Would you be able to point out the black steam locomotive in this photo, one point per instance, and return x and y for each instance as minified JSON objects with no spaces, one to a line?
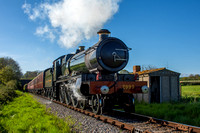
{"x":90,"y":79}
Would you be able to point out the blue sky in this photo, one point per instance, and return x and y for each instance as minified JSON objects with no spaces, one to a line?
{"x":162,"y":33}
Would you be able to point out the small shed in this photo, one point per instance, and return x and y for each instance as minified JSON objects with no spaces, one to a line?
{"x":163,"y":85}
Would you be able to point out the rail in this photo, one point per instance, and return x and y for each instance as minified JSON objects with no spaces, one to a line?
{"x":129,"y":127}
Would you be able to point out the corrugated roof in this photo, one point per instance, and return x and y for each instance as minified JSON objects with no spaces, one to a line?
{"x":150,"y":71}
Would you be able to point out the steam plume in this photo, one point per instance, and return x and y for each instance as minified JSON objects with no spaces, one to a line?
{"x":71,"y":20}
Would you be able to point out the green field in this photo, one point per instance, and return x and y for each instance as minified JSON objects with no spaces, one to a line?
{"x":24,"y":114}
{"x":190,"y":91}
{"x":187,"y":110}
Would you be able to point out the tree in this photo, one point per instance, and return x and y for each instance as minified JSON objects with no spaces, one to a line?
{"x":6,"y":74}
{"x":148,"y":67}
{"x":124,"y":72}
{"x":191,"y":75}
{"x":31,"y":74}
{"x":197,"y":76}
{"x":9,"y":70}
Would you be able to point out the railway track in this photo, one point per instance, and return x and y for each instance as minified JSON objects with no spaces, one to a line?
{"x":135,"y":123}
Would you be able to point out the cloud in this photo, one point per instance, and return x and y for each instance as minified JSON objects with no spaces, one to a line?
{"x":39,"y":11}
{"x":27,"y":8}
{"x":45,"y":32}
{"x":72,"y":20}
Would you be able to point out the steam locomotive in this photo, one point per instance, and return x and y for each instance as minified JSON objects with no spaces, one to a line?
{"x":90,"y":79}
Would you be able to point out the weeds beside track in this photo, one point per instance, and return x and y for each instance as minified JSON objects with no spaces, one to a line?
{"x":24,"y":114}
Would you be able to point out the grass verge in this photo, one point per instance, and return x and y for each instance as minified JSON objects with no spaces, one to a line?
{"x":187,"y":113}
{"x":24,"y":114}
{"x":187,"y":110}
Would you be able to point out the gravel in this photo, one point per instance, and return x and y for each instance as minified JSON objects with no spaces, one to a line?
{"x":142,"y":126}
{"x":78,"y":122}
{"x":82,"y":123}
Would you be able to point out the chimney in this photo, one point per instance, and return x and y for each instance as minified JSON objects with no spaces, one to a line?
{"x":81,"y":48}
{"x":103,"y":34}
{"x":136,"y":69}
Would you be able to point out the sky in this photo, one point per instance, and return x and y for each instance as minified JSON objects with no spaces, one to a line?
{"x":161,"y":33}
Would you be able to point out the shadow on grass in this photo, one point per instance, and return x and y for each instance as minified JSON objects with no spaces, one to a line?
{"x":2,"y":129}
{"x":190,"y":99}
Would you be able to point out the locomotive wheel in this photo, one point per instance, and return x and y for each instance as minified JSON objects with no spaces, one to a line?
{"x":61,"y":93}
{"x":48,"y":93}
{"x":68,"y":100}
{"x":45,"y":93}
{"x":129,"y":105}
{"x":74,"y":101}
{"x":82,"y":104}
{"x":96,"y":104}
{"x":51,"y":93}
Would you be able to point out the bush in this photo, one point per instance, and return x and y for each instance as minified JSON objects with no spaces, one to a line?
{"x":6,"y":94}
{"x":189,"y":83}
{"x":12,"y":84}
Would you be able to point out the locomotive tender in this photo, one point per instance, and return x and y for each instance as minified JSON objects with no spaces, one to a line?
{"x":90,"y":79}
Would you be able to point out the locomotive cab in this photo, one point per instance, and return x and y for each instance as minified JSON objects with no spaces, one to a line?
{"x":57,"y":67}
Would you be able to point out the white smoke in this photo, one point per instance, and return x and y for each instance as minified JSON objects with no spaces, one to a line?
{"x":76,"y":92}
{"x":46,"y":32}
{"x":72,"y":20}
